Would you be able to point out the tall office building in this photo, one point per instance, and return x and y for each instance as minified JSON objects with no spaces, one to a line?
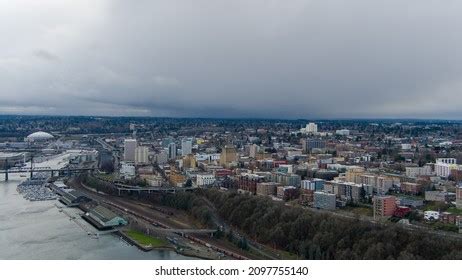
{"x":254,"y":148}
{"x":161,"y":157}
{"x":129,"y":149}
{"x":228,"y":155}
{"x":167,"y":141}
{"x":171,"y":151}
{"x":186,"y":147}
{"x":141,"y":155}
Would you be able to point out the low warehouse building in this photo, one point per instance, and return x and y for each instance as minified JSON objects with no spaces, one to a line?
{"x":103,"y":218}
{"x":73,"y":198}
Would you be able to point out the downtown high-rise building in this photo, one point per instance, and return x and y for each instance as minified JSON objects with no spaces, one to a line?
{"x":228,"y":155}
{"x":141,"y":155}
{"x":172,"y":151}
{"x":186,"y":147}
{"x":253,"y":150}
{"x":130,"y":149}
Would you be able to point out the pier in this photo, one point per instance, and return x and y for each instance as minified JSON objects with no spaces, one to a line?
{"x":83,"y":225}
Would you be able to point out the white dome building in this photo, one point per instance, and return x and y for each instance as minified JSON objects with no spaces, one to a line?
{"x":39,"y":136}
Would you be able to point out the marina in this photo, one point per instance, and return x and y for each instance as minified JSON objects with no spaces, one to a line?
{"x":40,"y":230}
{"x":34,"y":189}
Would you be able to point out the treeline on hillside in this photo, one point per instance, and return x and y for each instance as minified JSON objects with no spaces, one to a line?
{"x":314,"y":235}
{"x":193,"y":204}
{"x":310,"y":235}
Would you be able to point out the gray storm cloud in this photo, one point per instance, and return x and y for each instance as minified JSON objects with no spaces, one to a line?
{"x":241,"y":58}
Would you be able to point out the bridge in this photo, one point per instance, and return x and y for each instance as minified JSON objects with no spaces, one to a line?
{"x":105,"y":145}
{"x":53,"y":171}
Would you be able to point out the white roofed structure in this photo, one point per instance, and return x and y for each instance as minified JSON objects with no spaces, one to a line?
{"x":39,"y":136}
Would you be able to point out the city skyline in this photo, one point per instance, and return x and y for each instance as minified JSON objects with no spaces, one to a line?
{"x":264,"y":59}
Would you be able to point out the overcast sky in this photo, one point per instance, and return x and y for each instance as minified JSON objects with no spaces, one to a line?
{"x":234,"y":58}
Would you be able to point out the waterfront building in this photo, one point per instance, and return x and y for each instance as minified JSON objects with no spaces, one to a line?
{"x":103,"y":218}
{"x":8,"y":160}
{"x":73,"y":198}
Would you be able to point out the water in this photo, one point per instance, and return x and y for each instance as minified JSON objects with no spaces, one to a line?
{"x":37,"y":230}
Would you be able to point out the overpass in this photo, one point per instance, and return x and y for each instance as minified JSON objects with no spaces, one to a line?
{"x":105,"y":145}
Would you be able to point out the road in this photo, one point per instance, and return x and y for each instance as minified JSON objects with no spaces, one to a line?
{"x":147,"y":213}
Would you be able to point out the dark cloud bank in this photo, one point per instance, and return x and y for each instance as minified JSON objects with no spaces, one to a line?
{"x":279,"y":59}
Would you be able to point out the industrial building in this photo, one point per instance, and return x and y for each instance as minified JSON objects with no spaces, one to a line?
{"x":8,"y":160}
{"x":103,"y":218}
{"x":73,"y":198}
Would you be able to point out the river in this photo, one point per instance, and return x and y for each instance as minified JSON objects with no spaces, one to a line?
{"x":37,"y":230}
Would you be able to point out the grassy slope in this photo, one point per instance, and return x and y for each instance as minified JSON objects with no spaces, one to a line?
{"x":144,"y":239}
